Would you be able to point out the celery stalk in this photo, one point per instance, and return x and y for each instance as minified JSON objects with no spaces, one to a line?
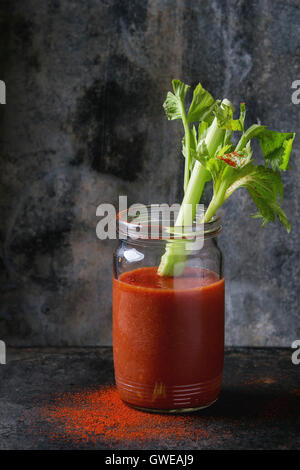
{"x":210,"y":152}
{"x":172,"y":262}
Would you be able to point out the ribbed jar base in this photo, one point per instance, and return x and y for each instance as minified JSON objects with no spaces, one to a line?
{"x":167,"y":411}
{"x":159,"y":398}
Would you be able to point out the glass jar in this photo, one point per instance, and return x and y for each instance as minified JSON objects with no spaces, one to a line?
{"x":168,"y":332}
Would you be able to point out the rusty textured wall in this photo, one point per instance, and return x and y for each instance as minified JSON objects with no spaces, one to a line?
{"x":83,"y":123}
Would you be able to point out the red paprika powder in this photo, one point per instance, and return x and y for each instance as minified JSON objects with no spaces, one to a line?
{"x":98,"y":415}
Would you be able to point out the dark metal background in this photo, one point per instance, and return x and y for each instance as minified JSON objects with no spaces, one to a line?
{"x":84,"y":123}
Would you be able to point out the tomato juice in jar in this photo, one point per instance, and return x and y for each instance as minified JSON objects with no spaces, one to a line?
{"x":168,"y":331}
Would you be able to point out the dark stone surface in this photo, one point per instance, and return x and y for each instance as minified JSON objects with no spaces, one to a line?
{"x":83,"y":124}
{"x":258,"y":407}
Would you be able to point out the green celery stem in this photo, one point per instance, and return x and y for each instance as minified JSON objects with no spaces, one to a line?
{"x":187,"y":158}
{"x":199,"y":175}
{"x":172,"y":262}
{"x":193,"y":192}
{"x":215,"y":203}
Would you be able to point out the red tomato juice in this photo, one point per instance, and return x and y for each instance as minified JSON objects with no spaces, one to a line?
{"x":168,"y":338}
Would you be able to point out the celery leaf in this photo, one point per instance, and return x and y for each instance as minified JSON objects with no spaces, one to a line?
{"x":236,"y":159}
{"x":174,"y":104}
{"x":224,"y":115}
{"x":276,"y":148}
{"x":201,"y":106}
{"x":264,"y":186}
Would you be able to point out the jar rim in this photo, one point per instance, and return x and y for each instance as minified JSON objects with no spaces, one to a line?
{"x":149,"y":225}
